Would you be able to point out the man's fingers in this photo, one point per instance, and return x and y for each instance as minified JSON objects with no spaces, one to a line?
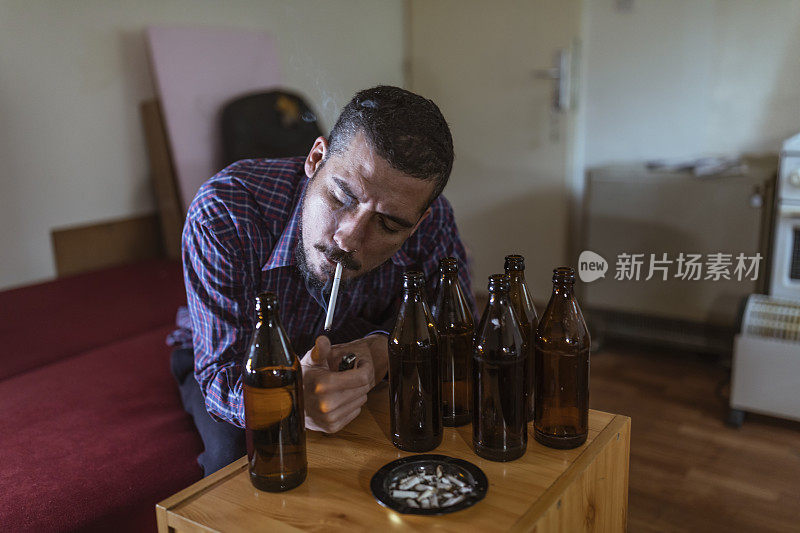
{"x":320,"y":354}
{"x":318,"y":425}
{"x":347,"y":379}
{"x":323,"y":346}
{"x":366,"y":366}
{"x":331,"y":402}
{"x":338,"y":418}
{"x":342,"y":423}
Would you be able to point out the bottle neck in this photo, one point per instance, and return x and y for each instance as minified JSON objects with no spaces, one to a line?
{"x":498,"y":298}
{"x":563,"y":289}
{"x":270,"y":346}
{"x":268,"y":316}
{"x":414,"y":320}
{"x":516,"y":277}
{"x":413,"y":282}
{"x":499,"y":330}
{"x":412,"y":294}
{"x":448,"y":279}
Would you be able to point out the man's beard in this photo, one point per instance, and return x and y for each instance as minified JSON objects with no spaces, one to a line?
{"x":334,"y":253}
{"x":312,"y":281}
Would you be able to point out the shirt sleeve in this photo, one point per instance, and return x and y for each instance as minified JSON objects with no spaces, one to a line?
{"x":358,"y":327}
{"x":222,"y":312}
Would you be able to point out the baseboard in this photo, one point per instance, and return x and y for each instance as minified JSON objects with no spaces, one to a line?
{"x":657,"y":331}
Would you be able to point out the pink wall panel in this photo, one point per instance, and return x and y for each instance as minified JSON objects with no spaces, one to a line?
{"x":197,"y":71}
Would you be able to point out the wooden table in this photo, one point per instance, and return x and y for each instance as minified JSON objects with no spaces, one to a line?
{"x":585,"y":489}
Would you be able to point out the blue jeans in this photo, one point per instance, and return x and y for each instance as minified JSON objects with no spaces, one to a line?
{"x":223,"y":442}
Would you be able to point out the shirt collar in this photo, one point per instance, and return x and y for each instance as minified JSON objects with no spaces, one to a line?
{"x":401,"y":258}
{"x":283,"y":253}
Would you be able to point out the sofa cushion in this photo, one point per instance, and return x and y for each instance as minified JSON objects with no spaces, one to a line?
{"x":49,"y":321}
{"x":95,"y":439}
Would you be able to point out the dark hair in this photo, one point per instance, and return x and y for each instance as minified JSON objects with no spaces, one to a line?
{"x":405,"y":129}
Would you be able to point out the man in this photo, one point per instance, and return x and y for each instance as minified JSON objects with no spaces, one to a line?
{"x":367,"y":197}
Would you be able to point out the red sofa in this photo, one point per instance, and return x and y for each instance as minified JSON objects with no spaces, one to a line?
{"x":92,"y":431}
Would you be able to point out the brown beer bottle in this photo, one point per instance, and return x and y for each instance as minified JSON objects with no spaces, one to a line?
{"x":273,"y":404}
{"x":562,"y":368}
{"x":453,"y":319}
{"x":415,"y":401}
{"x":499,"y":424}
{"x":522,"y":301}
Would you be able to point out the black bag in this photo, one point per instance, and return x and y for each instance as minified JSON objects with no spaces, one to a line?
{"x":272,"y":124}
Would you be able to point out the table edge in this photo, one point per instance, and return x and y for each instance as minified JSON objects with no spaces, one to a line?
{"x":194,"y":490}
{"x":556,"y":489}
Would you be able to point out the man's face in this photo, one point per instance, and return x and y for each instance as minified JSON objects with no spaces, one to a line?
{"x":358,"y":210}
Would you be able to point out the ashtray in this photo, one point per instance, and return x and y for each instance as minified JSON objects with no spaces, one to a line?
{"x":429,"y":484}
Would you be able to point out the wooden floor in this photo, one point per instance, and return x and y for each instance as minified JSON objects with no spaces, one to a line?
{"x":688,"y":470}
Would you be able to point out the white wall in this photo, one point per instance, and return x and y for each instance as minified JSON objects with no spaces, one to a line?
{"x":682,"y":78}
{"x":72,"y":75}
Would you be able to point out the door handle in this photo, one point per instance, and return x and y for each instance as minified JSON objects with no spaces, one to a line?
{"x":559,"y":73}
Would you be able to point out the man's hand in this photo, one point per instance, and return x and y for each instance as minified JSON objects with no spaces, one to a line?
{"x":372,"y":351}
{"x":333,"y":399}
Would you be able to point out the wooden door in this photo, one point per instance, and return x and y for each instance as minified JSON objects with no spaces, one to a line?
{"x":485,"y":64}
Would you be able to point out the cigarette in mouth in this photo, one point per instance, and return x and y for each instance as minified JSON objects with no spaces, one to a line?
{"x":337,"y":278}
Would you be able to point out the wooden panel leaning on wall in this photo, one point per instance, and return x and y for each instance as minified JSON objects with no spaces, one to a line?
{"x":168,"y":199}
{"x":90,"y":247}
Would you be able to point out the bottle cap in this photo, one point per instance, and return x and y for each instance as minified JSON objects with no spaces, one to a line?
{"x":499,"y":283}
{"x":514,"y":263}
{"x":448,"y":264}
{"x":563,"y":275}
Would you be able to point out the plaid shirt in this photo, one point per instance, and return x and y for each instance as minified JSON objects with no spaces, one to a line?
{"x":239,"y":240}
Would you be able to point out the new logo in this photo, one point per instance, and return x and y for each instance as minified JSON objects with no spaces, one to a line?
{"x":591,"y":266}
